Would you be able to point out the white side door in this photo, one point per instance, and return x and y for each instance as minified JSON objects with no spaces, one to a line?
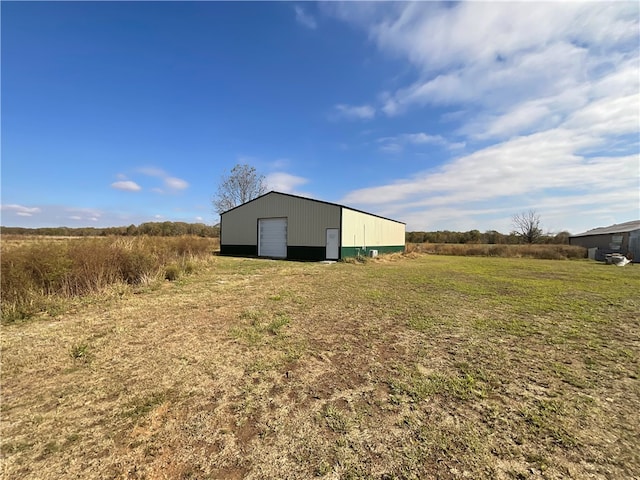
{"x":333,"y":244}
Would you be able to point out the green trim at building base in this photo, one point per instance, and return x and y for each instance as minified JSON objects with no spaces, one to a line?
{"x":307,"y":253}
{"x":346,"y":252}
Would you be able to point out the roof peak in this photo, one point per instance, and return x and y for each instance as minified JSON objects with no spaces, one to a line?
{"x":313,"y":200}
{"x":615,"y":228}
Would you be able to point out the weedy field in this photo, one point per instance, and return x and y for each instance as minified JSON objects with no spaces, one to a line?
{"x":45,"y":274}
{"x":415,"y":366}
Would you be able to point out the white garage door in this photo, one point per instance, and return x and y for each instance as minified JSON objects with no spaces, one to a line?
{"x":272,"y":237}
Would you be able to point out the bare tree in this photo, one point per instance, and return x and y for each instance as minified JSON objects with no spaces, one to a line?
{"x":527,"y":226}
{"x":244,"y":183}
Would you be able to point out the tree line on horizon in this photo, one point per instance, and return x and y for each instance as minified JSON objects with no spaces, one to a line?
{"x":176,"y":229}
{"x":489,"y":237}
{"x":153,"y":229}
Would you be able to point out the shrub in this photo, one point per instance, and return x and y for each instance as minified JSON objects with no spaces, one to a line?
{"x":94,"y":266}
{"x":172,"y":272}
{"x":541,"y":251}
{"x":357,"y":259}
{"x":136,"y":265}
{"x":498,"y":250}
{"x":190,"y":246}
{"x":36,"y":274}
{"x":189,"y":267}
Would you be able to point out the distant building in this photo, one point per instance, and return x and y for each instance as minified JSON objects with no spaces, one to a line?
{"x":621,"y":238}
{"x":280,"y":225}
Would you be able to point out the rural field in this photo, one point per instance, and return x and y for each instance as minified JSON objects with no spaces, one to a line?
{"x":404,"y":367}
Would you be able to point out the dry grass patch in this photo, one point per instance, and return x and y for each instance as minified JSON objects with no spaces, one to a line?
{"x":539,"y":251}
{"x":424,"y":367}
{"x":44,"y":274}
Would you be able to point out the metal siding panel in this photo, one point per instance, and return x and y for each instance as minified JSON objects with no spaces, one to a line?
{"x":600,"y":241}
{"x":634,"y":245}
{"x":307,"y":220}
{"x":238,"y":228}
{"x":630,"y":243}
{"x":363,"y":230}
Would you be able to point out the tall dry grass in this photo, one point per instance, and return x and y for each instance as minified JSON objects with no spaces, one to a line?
{"x":36,"y":275}
{"x":545,"y":252}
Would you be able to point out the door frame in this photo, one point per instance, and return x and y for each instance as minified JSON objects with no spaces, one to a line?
{"x":286,"y":239}
{"x":326,"y":242}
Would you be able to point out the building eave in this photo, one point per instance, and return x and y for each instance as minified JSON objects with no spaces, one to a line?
{"x":312,"y":200}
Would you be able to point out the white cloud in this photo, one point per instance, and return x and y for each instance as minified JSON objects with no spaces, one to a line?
{"x":389,"y":145}
{"x":61,"y":215}
{"x":551,"y":91}
{"x":354,"y":112}
{"x":420,"y":138}
{"x":152,"y":172}
{"x":126,"y":185}
{"x":500,"y":54}
{"x":304,"y":18}
{"x":171,"y":184}
{"x":607,"y":105}
{"x":397,"y":143}
{"x":520,"y":118}
{"x":443,"y":36}
{"x":279,"y":163}
{"x":522,"y":165}
{"x":539,"y":166}
{"x":286,"y":183}
{"x":83,"y":214}
{"x":608,"y":116}
{"x":175,"y":183}
{"x":528,"y":74}
{"x":47,"y":215}
{"x":456,"y":145}
{"x":20,"y":210}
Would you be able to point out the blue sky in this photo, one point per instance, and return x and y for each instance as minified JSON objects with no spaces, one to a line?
{"x":445,"y":116}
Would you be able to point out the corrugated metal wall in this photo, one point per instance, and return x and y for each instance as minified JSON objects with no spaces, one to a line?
{"x":590,"y":241}
{"x":634,"y":245}
{"x":362,"y":230}
{"x":611,"y":243}
{"x":307,"y":220}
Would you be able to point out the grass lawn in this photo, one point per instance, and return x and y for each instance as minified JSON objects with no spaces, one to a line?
{"x":424,"y":367}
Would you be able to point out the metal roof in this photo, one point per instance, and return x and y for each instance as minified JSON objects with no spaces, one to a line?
{"x":617,"y":228}
{"x":312,"y":200}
